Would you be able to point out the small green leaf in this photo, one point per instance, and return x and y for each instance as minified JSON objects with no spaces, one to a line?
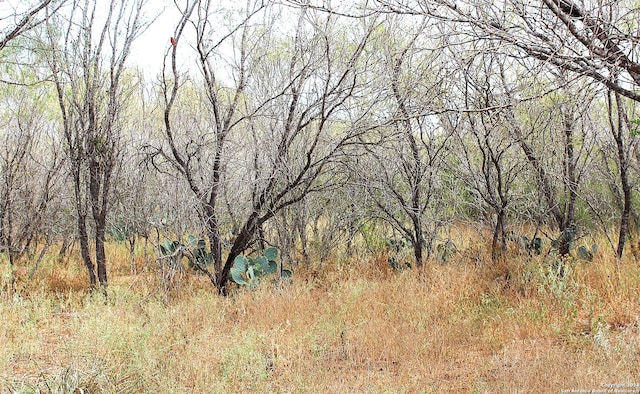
{"x":286,"y":273}
{"x":537,"y":245}
{"x":584,"y":254}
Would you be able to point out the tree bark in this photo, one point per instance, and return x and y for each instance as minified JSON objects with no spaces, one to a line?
{"x":623,"y":163}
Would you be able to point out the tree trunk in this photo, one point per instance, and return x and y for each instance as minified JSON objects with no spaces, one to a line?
{"x":241,"y":243}
{"x":101,"y":258}
{"x":418,"y":242}
{"x":6,"y":233}
{"x":417,"y":253}
{"x":571,"y":183}
{"x":132,"y":254}
{"x":12,"y":268}
{"x":624,"y":219}
{"x":623,"y":163}
{"x":498,"y":240}
{"x":213,"y":233}
{"x":301,"y":225}
{"x":84,"y":250}
{"x":99,"y":175}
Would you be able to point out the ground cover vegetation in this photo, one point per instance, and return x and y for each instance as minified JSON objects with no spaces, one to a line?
{"x":381,"y":196}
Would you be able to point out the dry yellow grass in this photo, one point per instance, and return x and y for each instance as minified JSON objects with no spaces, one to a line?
{"x":468,"y":326}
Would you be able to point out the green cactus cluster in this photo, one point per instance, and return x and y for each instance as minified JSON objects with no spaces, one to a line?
{"x":247,"y":271}
{"x":396,"y":245}
{"x":171,"y":251}
{"x":195,"y":251}
{"x":531,"y":245}
{"x":582,"y":252}
{"x":568,"y":236}
{"x":199,"y":257}
{"x":398,"y":266}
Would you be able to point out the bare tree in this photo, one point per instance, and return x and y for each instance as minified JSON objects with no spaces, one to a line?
{"x":592,"y":38}
{"x":557,"y":138}
{"x":29,"y":172}
{"x":23,"y":203}
{"x":621,"y":133}
{"x":407,"y":158}
{"x":276,"y":118}
{"x":488,"y":158}
{"x":87,"y":63}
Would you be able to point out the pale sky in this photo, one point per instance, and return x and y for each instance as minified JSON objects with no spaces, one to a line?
{"x":149,"y":49}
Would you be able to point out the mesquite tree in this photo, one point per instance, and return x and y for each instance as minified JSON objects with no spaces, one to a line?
{"x":487,"y":157}
{"x":404,"y":166}
{"x":621,"y":128}
{"x":28,"y":20}
{"x":87,"y":63}
{"x":556,"y":136}
{"x":275,"y":117}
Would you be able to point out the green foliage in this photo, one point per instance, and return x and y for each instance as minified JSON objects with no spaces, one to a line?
{"x":530,"y":245}
{"x":397,"y":247}
{"x":586,"y":254}
{"x":635,"y":131}
{"x":195,"y":251}
{"x":373,"y":237}
{"x":171,"y":250}
{"x":566,"y":237}
{"x":555,"y":276}
{"x":247,"y":271}
{"x":582,"y":252}
{"x":120,"y":232}
{"x":198,"y":250}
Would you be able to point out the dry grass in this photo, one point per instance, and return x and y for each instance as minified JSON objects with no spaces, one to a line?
{"x":468,"y":326}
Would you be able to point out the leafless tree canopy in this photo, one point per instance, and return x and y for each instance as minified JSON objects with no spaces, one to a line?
{"x":596,"y":39}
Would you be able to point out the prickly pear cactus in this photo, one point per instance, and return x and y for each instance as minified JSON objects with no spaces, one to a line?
{"x":195,"y":251}
{"x":248,"y":271}
{"x":199,"y":256}
{"x":170,"y":250}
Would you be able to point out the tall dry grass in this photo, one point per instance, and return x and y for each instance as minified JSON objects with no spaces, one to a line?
{"x":355,"y":326}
